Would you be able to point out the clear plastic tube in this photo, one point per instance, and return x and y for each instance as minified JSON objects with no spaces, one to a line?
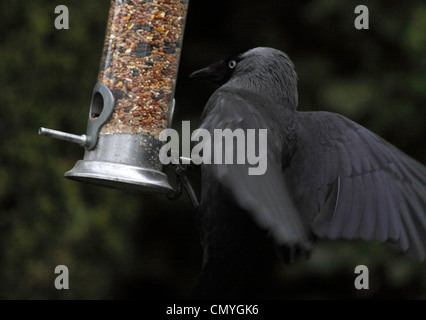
{"x":140,"y":63}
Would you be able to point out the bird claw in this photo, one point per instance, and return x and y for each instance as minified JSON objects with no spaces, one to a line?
{"x":182,"y":180}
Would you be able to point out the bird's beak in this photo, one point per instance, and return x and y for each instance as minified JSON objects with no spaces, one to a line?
{"x":216,"y":72}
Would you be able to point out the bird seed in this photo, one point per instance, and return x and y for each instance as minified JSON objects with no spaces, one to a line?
{"x":140,"y":62}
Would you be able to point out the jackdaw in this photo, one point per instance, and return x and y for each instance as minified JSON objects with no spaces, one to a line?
{"x":326,"y":177}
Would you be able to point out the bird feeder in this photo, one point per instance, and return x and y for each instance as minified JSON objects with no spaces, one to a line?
{"x":132,"y":102}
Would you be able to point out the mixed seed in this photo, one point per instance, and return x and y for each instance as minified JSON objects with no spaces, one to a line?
{"x":140,"y":63}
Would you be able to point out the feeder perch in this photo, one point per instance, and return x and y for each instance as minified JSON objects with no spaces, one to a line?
{"x":132,"y":102}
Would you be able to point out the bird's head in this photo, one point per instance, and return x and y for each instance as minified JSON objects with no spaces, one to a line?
{"x":266,"y":71}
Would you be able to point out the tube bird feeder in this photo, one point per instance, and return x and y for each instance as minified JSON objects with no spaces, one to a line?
{"x":133,"y":100}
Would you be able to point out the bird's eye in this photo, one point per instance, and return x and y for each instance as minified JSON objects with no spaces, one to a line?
{"x":232,"y":64}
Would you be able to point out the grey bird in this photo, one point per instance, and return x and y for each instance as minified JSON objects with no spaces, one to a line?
{"x":326,"y":177}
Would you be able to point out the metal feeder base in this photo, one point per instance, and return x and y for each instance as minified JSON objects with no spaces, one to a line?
{"x":120,"y":176}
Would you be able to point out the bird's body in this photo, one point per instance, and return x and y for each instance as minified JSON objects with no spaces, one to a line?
{"x":326,"y":177}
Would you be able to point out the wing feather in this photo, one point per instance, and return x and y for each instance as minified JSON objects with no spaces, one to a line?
{"x":265,"y":197}
{"x":382,"y":191}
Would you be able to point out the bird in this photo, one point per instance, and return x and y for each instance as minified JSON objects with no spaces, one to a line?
{"x":327,"y":177}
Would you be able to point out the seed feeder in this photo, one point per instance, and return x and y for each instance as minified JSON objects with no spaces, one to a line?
{"x":132,"y":102}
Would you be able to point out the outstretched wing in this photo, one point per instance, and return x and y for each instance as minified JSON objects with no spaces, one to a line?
{"x":265,"y":197}
{"x":352,"y":184}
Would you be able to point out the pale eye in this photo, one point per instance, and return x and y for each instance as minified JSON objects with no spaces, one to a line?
{"x":232,"y":64}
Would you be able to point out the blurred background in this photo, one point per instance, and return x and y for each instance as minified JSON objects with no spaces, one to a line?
{"x":120,"y":245}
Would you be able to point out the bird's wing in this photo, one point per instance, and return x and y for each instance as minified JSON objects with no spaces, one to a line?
{"x":264,"y":196}
{"x":352,"y":184}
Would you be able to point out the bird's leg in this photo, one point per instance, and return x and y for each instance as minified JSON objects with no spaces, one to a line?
{"x":182,"y":180}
